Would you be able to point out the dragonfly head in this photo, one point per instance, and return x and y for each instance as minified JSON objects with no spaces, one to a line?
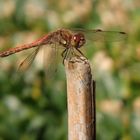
{"x":78,"y":40}
{"x":69,"y":39}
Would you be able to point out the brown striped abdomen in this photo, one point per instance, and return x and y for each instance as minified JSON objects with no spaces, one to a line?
{"x":15,"y":50}
{"x":24,"y":47}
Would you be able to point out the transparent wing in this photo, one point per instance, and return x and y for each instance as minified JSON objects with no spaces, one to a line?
{"x":71,"y":52}
{"x":99,"y":35}
{"x":52,"y":57}
{"x":26,"y":63}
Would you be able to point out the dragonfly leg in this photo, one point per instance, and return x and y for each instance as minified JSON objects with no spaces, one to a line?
{"x":79,"y":51}
{"x":64,"y":54}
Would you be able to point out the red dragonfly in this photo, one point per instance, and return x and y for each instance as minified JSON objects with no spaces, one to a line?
{"x":70,"y":40}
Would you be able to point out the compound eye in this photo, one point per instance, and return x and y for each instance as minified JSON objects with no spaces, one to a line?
{"x":82,"y":41}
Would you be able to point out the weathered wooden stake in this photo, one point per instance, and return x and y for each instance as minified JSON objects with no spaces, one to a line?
{"x":80,"y":99}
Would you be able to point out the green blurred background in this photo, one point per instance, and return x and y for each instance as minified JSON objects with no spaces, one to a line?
{"x":33,"y":107}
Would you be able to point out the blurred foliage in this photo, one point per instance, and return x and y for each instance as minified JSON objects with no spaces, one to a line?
{"x":34,"y":108}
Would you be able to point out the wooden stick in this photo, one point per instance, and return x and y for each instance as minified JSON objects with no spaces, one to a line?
{"x":81,"y":109}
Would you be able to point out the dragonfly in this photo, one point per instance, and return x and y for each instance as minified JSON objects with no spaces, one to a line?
{"x":71,"y":40}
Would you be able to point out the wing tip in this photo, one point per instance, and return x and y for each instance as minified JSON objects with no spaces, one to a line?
{"x":123,"y":33}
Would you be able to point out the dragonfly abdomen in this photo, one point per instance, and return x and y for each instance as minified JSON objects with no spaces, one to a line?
{"x":16,"y":50}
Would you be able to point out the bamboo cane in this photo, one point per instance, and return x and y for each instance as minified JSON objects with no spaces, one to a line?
{"x":80,"y":100}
